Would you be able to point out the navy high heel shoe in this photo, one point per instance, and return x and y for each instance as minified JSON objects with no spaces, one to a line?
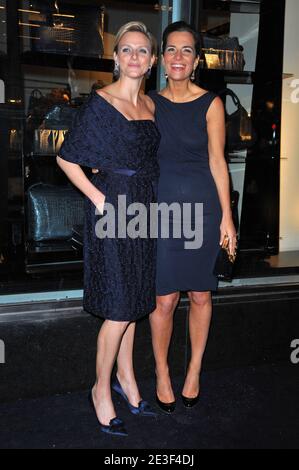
{"x":143,"y":408}
{"x":116,"y":426}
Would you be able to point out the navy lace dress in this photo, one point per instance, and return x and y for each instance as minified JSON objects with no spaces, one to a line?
{"x":186,"y":178}
{"x":119,"y":279}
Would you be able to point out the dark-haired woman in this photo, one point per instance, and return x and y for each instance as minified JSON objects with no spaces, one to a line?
{"x":193,"y":170}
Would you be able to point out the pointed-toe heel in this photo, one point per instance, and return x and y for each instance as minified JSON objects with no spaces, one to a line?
{"x":116,"y":426}
{"x":190,"y":402}
{"x":168,"y":408}
{"x":143,"y":409}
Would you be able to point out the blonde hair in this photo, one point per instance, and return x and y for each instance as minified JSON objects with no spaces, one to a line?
{"x":136,"y":27}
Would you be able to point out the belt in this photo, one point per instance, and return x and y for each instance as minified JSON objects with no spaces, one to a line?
{"x":124,"y":171}
{"x":118,"y":171}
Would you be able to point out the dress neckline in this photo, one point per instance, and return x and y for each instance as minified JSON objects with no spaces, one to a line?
{"x":184,"y":102}
{"x":120,"y":113}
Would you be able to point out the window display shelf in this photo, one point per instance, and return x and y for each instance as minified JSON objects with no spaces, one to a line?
{"x":235,"y":6}
{"x":62,"y":61}
{"x":41,"y":156}
{"x":228,"y":76}
{"x":236,"y":159}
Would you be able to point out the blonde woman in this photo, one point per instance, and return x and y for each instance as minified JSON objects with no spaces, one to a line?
{"x":116,"y":134}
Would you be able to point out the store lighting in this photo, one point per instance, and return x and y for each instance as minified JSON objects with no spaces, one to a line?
{"x":65,"y":41}
{"x":30,"y":37}
{"x":57,"y":40}
{"x":30,"y":11}
{"x":63,"y":28}
{"x":63,"y":15}
{"x":39,"y":26}
{"x":29,"y":24}
{"x":15,"y":101}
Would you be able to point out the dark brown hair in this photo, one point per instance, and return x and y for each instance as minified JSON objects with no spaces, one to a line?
{"x":181,"y":27}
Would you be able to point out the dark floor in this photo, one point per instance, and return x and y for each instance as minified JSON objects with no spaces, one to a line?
{"x":248,"y":408}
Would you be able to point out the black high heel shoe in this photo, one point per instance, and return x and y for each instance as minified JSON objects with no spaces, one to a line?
{"x":168,"y":408}
{"x":190,"y":402}
{"x":116,"y":426}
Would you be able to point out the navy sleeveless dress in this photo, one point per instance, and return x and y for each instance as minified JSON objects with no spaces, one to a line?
{"x":119,"y":273}
{"x":185,"y":177}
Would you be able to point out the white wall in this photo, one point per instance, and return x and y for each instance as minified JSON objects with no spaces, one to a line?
{"x":289,"y":209}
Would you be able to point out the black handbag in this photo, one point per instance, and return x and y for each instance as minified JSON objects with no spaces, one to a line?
{"x":225,"y":262}
{"x":229,"y":51}
{"x":60,"y":117}
{"x":78,"y":236}
{"x":40,"y":105}
{"x":53,"y":211}
{"x":239,"y":130}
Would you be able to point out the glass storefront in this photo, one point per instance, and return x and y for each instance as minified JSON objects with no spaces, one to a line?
{"x":53,"y":53}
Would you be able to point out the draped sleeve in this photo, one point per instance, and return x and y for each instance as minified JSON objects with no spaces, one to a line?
{"x":85,"y":143}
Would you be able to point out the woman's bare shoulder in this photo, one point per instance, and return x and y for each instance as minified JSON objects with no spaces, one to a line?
{"x":106,"y":92}
{"x":149,"y":103}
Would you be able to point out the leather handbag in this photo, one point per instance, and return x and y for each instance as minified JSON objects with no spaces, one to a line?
{"x":60,"y":117}
{"x":78,"y":236}
{"x":239,"y":130}
{"x":48,"y":141}
{"x":210,"y":41}
{"x":53,"y":211}
{"x":225,"y":262}
{"x":228,"y":51}
{"x":40,"y":105}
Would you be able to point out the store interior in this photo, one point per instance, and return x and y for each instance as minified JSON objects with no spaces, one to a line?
{"x":53,"y":53}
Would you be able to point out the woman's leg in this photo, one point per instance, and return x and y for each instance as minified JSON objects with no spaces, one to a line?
{"x":200,"y":321}
{"x":125,"y":366}
{"x":109,"y":342}
{"x":161,"y":321}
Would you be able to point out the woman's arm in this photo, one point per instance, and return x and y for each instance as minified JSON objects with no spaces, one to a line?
{"x":77,"y":176}
{"x":219,"y":169}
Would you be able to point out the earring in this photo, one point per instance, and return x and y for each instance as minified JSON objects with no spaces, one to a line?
{"x":166,"y":76}
{"x":116,"y":69}
{"x":193,"y":75}
{"x":149,"y":72}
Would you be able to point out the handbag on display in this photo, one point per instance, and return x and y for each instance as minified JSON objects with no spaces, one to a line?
{"x":60,"y":117}
{"x":40,"y":105}
{"x":78,"y":236}
{"x":37,"y":108}
{"x":223,"y":53}
{"x":53,"y":211}
{"x":16,"y":140}
{"x":48,"y":141}
{"x":239,"y":130}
